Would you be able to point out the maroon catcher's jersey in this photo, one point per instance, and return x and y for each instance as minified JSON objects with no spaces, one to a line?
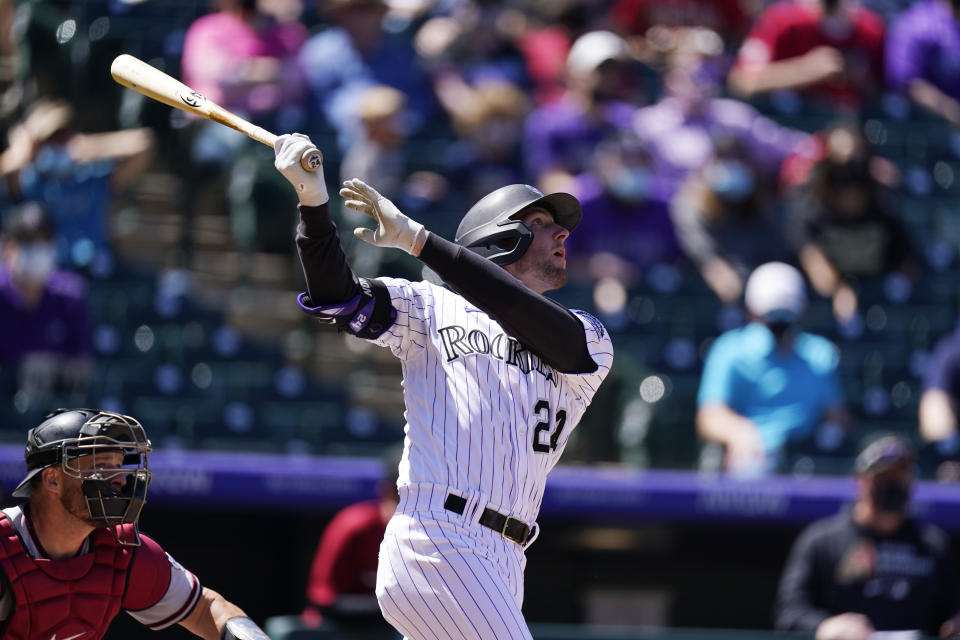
{"x":77,"y":598}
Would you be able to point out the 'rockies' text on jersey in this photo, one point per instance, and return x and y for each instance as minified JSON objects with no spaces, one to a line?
{"x":483,"y":412}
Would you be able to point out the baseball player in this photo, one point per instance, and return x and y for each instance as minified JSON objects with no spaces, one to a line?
{"x":495,"y":377}
{"x":72,"y":556}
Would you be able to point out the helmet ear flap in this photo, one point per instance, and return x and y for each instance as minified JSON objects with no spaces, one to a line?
{"x":504,"y":246}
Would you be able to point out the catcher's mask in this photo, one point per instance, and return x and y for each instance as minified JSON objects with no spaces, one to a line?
{"x":490,"y":228}
{"x":68,"y":436}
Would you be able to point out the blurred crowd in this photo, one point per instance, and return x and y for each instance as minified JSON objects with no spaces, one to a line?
{"x":764,"y":185}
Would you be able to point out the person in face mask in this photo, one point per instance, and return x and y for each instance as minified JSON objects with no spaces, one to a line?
{"x":768,"y":385}
{"x":727,"y":224}
{"x":626,"y":224}
{"x":872,"y":567}
{"x":43,"y":307}
{"x":603,"y":91}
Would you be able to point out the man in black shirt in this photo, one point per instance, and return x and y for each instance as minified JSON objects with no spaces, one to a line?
{"x":872,"y":567}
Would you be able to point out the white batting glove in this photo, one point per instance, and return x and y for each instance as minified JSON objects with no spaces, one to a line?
{"x":394,"y":229}
{"x":310,"y":186}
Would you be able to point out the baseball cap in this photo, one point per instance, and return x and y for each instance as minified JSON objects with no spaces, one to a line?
{"x":593,"y":49}
{"x":884,"y":453}
{"x":776,"y":288}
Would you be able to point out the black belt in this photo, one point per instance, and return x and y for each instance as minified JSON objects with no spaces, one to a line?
{"x":507,"y":526}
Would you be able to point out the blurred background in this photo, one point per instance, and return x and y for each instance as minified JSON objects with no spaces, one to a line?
{"x":149,"y":266}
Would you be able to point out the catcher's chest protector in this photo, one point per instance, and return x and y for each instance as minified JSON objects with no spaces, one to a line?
{"x":72,"y":599}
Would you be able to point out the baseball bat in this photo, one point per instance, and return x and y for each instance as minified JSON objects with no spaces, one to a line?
{"x":143,"y":78}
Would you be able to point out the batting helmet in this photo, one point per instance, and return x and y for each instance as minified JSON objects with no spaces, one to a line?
{"x":67,"y":434}
{"x":488,"y":227}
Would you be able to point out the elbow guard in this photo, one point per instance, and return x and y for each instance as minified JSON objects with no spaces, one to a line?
{"x":242,"y":628}
{"x":367,"y":315}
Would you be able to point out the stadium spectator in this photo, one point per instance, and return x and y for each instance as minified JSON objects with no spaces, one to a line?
{"x":244,"y":59}
{"x":343,"y":574}
{"x":43,"y":313}
{"x":768,"y":384}
{"x":353,"y":53}
{"x":74,"y":175}
{"x":243,"y":56}
{"x":841,"y":138}
{"x":840,"y":229}
{"x":379,"y":153}
{"x":626,"y":224}
{"x":831,"y":50}
{"x":488,"y":121}
{"x":683,"y":128}
{"x":872,"y":567}
{"x":647,"y":23}
{"x":922,"y":53}
{"x":600,"y":101}
{"x":550,"y":30}
{"x":474,"y":41}
{"x":727,"y":223}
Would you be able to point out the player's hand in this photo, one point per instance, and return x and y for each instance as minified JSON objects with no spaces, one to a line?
{"x":393,"y":228}
{"x":310,"y":186}
{"x":845,"y":626}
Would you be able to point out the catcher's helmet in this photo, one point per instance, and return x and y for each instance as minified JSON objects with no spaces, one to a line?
{"x":67,"y":434}
{"x":489,"y":230}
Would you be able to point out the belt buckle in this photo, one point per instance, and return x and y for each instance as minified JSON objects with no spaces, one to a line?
{"x":506,"y":525}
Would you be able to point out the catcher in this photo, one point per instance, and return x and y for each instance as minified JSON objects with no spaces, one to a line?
{"x":72,"y":556}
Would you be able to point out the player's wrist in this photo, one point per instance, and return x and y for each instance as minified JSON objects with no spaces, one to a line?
{"x":313,"y":193}
{"x":419,"y":239}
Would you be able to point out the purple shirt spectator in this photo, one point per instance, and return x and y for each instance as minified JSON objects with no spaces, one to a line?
{"x":640,"y":233}
{"x":58,"y":325}
{"x":560,"y":136}
{"x":924,"y":42}
{"x":682,"y":140}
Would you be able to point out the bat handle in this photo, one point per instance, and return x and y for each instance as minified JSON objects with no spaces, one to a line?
{"x":312,"y":159}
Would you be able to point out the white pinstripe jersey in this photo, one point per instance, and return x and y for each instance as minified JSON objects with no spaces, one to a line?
{"x":483,"y":413}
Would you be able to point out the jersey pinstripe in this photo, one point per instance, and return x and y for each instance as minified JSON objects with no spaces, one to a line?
{"x":483,"y":414}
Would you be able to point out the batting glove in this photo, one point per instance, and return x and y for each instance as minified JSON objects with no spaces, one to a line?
{"x":393,"y":228}
{"x":310,"y":186}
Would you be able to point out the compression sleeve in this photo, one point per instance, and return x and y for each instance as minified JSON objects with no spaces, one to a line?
{"x":329,"y":277}
{"x":543,"y":325}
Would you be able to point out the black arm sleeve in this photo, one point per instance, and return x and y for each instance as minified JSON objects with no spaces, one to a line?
{"x":329,"y":277}
{"x":794,"y":609}
{"x":547,"y":328}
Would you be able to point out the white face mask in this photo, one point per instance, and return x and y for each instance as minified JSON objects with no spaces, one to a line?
{"x":35,"y":261}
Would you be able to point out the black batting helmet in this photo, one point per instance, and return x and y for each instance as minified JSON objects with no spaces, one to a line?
{"x":68,"y":434}
{"x":488,"y":227}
